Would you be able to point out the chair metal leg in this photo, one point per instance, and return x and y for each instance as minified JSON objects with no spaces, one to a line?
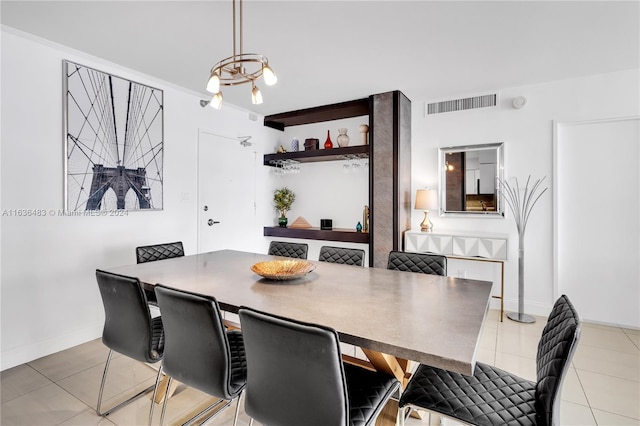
{"x":155,"y":392}
{"x":235,"y":419}
{"x":104,"y":377}
{"x":123,"y":403}
{"x":206,"y":410}
{"x":164,"y":401}
{"x":198,"y":416}
{"x":403,"y":413}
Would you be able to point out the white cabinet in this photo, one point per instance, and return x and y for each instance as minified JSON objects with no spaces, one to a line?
{"x":462,"y":245}
{"x":427,"y":242}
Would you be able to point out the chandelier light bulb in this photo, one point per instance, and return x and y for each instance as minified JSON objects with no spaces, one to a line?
{"x":213,"y":85}
{"x":256,"y":96}
{"x":216,"y":101}
{"x":269,"y":76}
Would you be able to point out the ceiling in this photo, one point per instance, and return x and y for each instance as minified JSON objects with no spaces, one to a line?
{"x":332,"y":51}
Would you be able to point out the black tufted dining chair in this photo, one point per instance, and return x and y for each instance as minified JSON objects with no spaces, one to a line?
{"x":129,"y":328}
{"x":418,"y":262}
{"x":295,"y":250}
{"x":199,"y":351}
{"x":156,"y":252}
{"x":346,"y":256}
{"x":495,"y":397}
{"x":295,"y":376}
{"x":159,"y":252}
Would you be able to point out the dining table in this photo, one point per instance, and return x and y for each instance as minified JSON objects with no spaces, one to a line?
{"x":395,"y":317}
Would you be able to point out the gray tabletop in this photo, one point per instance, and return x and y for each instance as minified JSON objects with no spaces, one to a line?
{"x":425,"y":318}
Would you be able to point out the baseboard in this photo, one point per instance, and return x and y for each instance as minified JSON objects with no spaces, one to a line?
{"x":26,"y":353}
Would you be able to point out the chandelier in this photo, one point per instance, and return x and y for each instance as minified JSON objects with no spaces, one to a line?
{"x":238,"y":69}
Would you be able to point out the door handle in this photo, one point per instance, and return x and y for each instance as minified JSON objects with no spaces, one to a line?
{"x":212,"y":222}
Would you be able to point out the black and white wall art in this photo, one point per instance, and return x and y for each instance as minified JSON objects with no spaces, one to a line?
{"x":114,"y":142}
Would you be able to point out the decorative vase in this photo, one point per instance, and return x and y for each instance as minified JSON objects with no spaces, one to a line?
{"x":295,"y":145}
{"x":359,"y":227}
{"x":364,"y":131}
{"x":282,"y":222}
{"x":328,"y":144}
{"x":343,"y":138}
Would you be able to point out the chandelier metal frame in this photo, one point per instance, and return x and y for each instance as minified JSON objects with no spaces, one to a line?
{"x":239,"y":68}
{"x":232,"y":71}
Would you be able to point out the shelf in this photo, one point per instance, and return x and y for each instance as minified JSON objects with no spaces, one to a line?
{"x":316,"y":155}
{"x":319,"y":114}
{"x":337,"y":234}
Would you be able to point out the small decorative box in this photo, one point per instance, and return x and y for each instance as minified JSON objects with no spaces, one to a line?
{"x":310,"y":144}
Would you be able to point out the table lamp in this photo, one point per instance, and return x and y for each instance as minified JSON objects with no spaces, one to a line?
{"x":426,"y":199}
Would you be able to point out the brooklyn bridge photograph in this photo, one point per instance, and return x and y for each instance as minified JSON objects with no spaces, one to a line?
{"x":114,"y":142}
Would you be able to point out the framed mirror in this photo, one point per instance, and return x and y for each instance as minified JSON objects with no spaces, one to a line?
{"x":469,"y":180}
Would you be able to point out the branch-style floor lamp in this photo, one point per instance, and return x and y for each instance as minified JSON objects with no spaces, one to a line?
{"x":521,"y":203}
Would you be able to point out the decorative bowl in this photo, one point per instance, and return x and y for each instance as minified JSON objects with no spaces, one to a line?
{"x":283,"y":269}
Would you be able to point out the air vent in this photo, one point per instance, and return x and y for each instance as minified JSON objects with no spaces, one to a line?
{"x":462,"y":104}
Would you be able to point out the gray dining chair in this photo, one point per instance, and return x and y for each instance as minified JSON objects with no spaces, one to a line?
{"x":129,"y":328}
{"x":295,"y":376}
{"x":346,"y":256}
{"x":286,"y":249}
{"x":417,"y":262}
{"x":492,"y":396}
{"x":199,"y":351}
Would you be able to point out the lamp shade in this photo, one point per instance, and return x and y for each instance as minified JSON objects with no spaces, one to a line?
{"x":213,"y":85}
{"x":269,"y":76}
{"x":426,"y":199}
{"x":216,"y":101}
{"x":256,"y":96}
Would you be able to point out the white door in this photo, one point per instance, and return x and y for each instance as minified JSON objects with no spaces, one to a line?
{"x":597,"y":214}
{"x":226,"y":194}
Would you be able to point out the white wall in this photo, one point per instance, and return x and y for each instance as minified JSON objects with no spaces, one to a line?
{"x":50,"y":300}
{"x":527,"y":134}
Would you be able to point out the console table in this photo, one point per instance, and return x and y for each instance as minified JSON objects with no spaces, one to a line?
{"x":462,"y":246}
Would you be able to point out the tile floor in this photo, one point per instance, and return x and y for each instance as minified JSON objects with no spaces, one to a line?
{"x":601,"y":388}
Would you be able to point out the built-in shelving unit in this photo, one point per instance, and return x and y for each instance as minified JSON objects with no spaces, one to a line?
{"x":316,"y":155}
{"x":350,"y":109}
{"x":344,"y":235}
{"x":389,"y":153}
